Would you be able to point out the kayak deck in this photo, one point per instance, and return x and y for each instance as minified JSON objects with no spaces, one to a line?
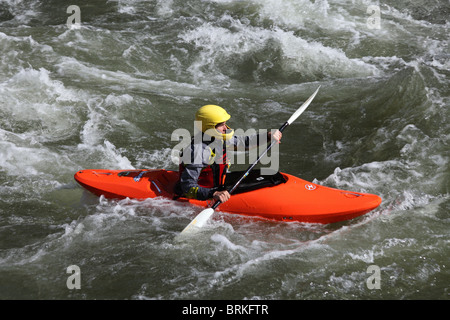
{"x":292,"y":199}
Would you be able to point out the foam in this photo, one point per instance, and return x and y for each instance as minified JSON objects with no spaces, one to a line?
{"x":36,"y":110}
{"x":23,"y":11}
{"x":301,"y":13}
{"x":46,"y":111}
{"x":70,"y":67}
{"x":164,"y":8}
{"x":157,"y":159}
{"x":309,"y":58}
{"x":31,"y":97}
{"x":12,"y":51}
{"x":224,"y":241}
{"x":24,"y":161}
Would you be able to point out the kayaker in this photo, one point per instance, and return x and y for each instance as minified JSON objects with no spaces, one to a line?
{"x":202,"y":175}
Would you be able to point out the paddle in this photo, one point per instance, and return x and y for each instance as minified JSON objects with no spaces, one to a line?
{"x":203,"y":216}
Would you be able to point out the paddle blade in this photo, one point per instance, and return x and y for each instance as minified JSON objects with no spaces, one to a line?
{"x":199,"y":221}
{"x":302,"y":108}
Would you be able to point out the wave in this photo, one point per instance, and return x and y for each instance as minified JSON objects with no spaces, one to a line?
{"x":263,"y":53}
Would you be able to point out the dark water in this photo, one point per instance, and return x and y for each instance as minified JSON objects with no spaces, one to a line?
{"x":110,"y":93}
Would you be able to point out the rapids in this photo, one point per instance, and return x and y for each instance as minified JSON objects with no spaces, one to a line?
{"x":109,"y":91}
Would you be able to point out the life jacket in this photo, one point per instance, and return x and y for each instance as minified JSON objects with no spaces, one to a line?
{"x":213,"y":175}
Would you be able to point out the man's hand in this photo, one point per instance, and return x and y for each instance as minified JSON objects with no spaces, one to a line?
{"x":276,"y":136}
{"x":223,"y":196}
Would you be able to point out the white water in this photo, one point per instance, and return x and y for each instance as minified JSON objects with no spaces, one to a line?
{"x":110,"y":94}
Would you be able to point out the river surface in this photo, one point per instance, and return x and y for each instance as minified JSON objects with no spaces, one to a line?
{"x":105,"y":84}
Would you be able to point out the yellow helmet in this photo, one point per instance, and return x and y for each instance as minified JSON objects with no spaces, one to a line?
{"x":211,"y":115}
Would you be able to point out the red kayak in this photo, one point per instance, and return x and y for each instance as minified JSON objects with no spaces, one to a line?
{"x":278,"y":197}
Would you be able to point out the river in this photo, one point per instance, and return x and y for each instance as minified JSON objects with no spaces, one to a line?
{"x":104,"y":84}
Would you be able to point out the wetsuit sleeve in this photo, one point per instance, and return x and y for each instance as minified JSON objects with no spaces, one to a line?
{"x":249,"y":142}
